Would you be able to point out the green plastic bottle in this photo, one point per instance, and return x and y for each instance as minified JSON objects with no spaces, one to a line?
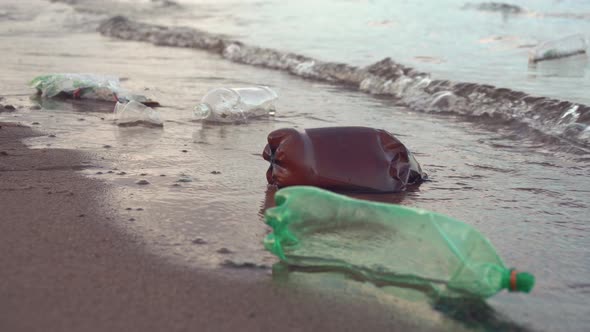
{"x":387,"y":244}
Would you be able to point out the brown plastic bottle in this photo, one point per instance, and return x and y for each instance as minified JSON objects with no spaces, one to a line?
{"x":342,"y":159}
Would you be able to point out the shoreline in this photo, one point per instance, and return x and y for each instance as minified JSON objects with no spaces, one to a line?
{"x":66,"y":267}
{"x":561,"y":121}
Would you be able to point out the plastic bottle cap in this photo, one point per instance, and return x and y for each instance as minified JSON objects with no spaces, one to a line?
{"x":516,"y":281}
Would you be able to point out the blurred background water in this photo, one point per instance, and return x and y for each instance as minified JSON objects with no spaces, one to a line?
{"x":452,"y":39}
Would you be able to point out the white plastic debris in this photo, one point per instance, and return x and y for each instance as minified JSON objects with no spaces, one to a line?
{"x":556,"y":49}
{"x":136,"y":114}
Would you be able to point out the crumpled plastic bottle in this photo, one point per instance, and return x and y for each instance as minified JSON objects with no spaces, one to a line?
{"x":229,"y":105}
{"x":85,"y":86}
{"x":341,"y":158}
{"x":387,"y":244}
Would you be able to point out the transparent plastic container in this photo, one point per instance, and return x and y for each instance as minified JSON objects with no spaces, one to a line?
{"x":137,"y":114}
{"x":236,"y":104}
{"x":561,"y":48}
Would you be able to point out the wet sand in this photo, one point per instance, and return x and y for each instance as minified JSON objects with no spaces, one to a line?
{"x":65,"y":267}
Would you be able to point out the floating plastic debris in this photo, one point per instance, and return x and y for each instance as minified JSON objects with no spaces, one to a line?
{"x":556,"y":49}
{"x":341,"y":158}
{"x":85,"y":86}
{"x":501,"y":7}
{"x":236,"y":104}
{"x":136,"y":114}
{"x":387,"y":244}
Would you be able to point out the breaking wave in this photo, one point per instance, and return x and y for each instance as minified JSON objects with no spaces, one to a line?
{"x":562,"y":120}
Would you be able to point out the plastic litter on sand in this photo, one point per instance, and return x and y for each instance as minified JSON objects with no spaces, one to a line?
{"x":235,"y":105}
{"x":134,"y":113}
{"x":85,"y":86}
{"x":387,"y":244}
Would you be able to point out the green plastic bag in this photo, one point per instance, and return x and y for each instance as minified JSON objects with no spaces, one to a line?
{"x":85,"y":86}
{"x":387,"y":244}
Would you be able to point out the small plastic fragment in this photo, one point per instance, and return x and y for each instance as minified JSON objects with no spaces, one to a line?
{"x":387,"y":244}
{"x":137,"y":114}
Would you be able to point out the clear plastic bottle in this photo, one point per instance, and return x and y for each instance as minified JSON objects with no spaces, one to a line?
{"x":236,"y":104}
{"x":387,"y":244}
{"x":556,"y":49}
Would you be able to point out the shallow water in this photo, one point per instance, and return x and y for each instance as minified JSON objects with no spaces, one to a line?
{"x":556,"y":119}
{"x":528,"y":197}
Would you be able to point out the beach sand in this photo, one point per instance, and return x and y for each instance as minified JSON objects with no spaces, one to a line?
{"x":66,"y":268}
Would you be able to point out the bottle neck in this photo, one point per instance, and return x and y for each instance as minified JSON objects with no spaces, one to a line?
{"x":202,"y":110}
